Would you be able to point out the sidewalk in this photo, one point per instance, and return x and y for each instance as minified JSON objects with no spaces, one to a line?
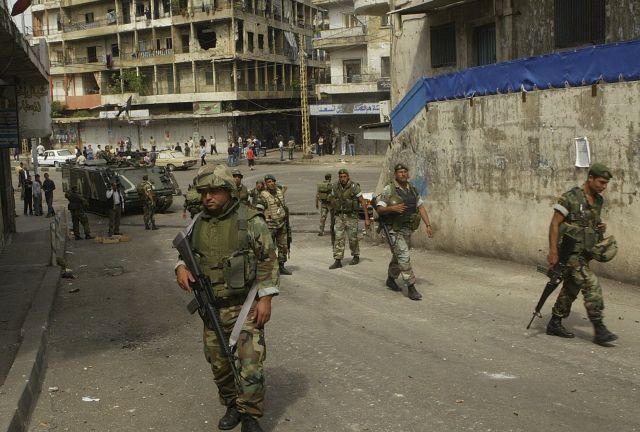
{"x":27,"y":291}
{"x":273,"y":158}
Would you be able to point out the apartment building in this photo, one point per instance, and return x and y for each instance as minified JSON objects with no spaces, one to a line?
{"x":217,"y":68}
{"x":357,"y":52}
{"x":499,"y":106}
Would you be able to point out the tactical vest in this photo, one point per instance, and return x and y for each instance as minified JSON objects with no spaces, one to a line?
{"x":274,"y":212}
{"x":410,"y":218}
{"x":324,"y":189}
{"x":582,"y":220}
{"x":344,"y":199}
{"x":221,"y":247}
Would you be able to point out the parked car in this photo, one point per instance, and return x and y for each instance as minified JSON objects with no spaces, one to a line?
{"x":173,"y":160}
{"x":55,"y":157}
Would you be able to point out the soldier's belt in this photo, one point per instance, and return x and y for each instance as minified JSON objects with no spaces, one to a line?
{"x":230,"y":301}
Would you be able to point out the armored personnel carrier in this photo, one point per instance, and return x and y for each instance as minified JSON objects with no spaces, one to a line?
{"x":93,"y":179}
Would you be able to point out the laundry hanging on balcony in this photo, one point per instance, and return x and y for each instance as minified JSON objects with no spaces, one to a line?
{"x":292,"y":49}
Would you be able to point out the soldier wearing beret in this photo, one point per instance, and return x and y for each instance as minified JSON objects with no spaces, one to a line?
{"x":344,"y":199}
{"x":277,"y":215}
{"x":577,"y":215}
{"x":401,"y":208}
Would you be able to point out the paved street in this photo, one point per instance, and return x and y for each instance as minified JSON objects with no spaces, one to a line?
{"x":344,"y":353}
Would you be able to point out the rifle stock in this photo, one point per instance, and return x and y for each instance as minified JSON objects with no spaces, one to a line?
{"x":204,"y":300}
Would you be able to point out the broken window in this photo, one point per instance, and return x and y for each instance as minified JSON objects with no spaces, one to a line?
{"x":250,"y":41}
{"x":579,"y":22}
{"x":115,"y":50}
{"x":260,"y":41}
{"x":443,"y":45}
{"x":206,"y":37}
{"x":352,"y":71}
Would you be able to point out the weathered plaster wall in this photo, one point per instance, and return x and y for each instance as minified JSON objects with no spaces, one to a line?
{"x":491,"y":170}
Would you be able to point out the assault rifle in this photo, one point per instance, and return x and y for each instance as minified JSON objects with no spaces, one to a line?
{"x":332,"y":230}
{"x":383,"y":227}
{"x":287,"y":225}
{"x":204,"y":300}
{"x":555,"y":274}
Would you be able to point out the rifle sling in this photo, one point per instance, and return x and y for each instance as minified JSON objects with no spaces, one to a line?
{"x":242,"y":316}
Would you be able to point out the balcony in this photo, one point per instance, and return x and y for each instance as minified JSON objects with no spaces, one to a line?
{"x":340,"y":37}
{"x":371,"y":7}
{"x":82,"y":102}
{"x":83,"y":26}
{"x":355,"y":83}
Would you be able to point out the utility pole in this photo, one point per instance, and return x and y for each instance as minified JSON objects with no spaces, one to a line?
{"x":304,"y":102}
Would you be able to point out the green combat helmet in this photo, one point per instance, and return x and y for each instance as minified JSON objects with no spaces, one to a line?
{"x":215,"y":177}
{"x":605,"y":250}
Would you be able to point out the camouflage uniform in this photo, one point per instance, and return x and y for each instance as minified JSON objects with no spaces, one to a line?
{"x":216,"y":238}
{"x":400,"y":230}
{"x":78,"y":216}
{"x":581,"y":220}
{"x":344,"y":202}
{"x":323,"y":199}
{"x":192,"y":201}
{"x":275,"y":213}
{"x":148,"y":204}
{"x":243,"y":193}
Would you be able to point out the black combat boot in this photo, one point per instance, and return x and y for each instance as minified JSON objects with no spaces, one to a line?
{"x":336,"y":264}
{"x":555,"y":328}
{"x":284,"y":271}
{"x":230,"y":419}
{"x":413,"y":293}
{"x":355,"y":260}
{"x":391,"y":283}
{"x":603,"y":336}
{"x":249,"y":424}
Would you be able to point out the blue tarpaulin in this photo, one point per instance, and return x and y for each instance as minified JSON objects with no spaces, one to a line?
{"x":586,"y":66}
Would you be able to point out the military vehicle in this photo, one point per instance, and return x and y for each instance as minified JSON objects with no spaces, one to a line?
{"x":93,"y":179}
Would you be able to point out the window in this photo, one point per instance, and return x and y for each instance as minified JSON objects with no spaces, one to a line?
{"x":385,"y":21}
{"x":115,"y":50}
{"x":250,"y":41}
{"x":484,"y":44}
{"x":139,"y":9}
{"x":92,"y":56}
{"x":443,"y":45}
{"x":352,"y":71}
{"x":208,"y":74}
{"x":88,"y":17}
{"x":158,"y":46}
{"x":349,"y":21}
{"x":385,"y":67}
{"x":260,"y":41}
{"x":579,"y":22}
{"x":168,"y":43}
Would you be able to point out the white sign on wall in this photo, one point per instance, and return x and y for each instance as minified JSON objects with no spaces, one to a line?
{"x":34,"y":110}
{"x":365,"y":108}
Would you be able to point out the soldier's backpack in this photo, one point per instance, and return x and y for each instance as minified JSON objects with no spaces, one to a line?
{"x":324,"y":189}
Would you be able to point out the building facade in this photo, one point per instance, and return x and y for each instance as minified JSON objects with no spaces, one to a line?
{"x":510,"y":101}
{"x":217,"y":68}
{"x":357,"y":53}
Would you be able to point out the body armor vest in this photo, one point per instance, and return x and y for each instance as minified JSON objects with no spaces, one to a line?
{"x":344,"y":198}
{"x":582,"y":220}
{"x":243,"y":193}
{"x":274,"y":212}
{"x":410,"y":217}
{"x":222,"y":249}
{"x":324,"y":189}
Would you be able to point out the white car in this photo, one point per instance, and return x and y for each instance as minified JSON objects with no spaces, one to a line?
{"x":55,"y":157}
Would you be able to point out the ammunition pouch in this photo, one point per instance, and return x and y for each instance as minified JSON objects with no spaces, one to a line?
{"x":605,"y":250}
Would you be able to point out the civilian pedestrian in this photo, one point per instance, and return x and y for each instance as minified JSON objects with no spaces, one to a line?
{"x":351,"y":138}
{"x":343,"y":143}
{"x":116,"y":206}
{"x":36,"y":193}
{"x":187,"y":149}
{"x":27,"y":194}
{"x":212,"y":143}
{"x":251,"y":158}
{"x":320,"y":147}
{"x":281,"y":147}
{"x":203,"y":155}
{"x":230,"y":154}
{"x":291,"y":145}
{"x":48,"y":187}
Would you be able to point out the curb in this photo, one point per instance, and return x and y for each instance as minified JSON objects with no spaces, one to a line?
{"x":24,"y":381}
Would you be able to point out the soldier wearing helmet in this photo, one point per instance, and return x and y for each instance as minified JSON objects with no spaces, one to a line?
{"x":236,"y":251}
{"x":277,"y":215}
{"x":345,"y":197}
{"x":146,"y":191}
{"x":322,"y":200}
{"x":577,"y":215}
{"x":241,"y":190}
{"x":401,"y":208}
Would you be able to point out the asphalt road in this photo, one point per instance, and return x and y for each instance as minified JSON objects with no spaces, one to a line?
{"x":344,"y":353}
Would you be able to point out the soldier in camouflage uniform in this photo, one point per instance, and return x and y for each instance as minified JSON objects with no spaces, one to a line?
{"x":192,"y":202}
{"x":76,"y":206}
{"x":344,"y":199}
{"x":241,"y":190}
{"x":145,"y":188}
{"x":577,"y":214}
{"x":276,"y":215}
{"x":254,"y":196}
{"x":322,"y":201}
{"x":227,"y":230}
{"x":401,"y":208}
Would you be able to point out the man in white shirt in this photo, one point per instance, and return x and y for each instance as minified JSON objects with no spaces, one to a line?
{"x":40,"y":149}
{"x":116,"y":205}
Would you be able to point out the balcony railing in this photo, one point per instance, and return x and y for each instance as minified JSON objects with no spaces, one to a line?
{"x":149,"y":53}
{"x":341,"y":32}
{"x":83,"y":60}
{"x":77,"y":26}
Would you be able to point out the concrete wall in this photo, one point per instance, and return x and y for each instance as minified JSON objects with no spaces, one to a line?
{"x":491,"y":170}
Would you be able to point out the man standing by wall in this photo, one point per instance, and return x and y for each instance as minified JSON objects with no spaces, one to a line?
{"x":322,"y":201}
{"x":48,"y":187}
{"x":401,"y":208}
{"x":344,"y":199}
{"x":76,"y":207}
{"x":577,"y":214}
{"x":276,"y":213}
